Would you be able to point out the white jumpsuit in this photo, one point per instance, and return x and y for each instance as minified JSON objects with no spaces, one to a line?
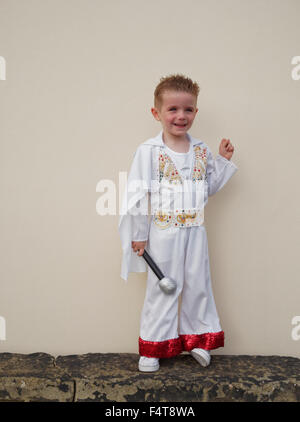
{"x":177,"y":242}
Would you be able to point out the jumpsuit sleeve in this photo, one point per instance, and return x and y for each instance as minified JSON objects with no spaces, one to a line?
{"x":140,"y":227}
{"x":218,"y":172}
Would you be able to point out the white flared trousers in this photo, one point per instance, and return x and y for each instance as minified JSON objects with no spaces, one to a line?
{"x":182,"y":254}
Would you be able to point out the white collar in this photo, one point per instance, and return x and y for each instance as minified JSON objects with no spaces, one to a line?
{"x":158,"y":140}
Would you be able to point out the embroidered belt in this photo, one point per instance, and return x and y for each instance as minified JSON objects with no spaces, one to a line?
{"x":178,"y":218}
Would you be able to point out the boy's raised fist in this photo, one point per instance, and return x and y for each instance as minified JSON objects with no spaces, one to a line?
{"x":226,"y":148}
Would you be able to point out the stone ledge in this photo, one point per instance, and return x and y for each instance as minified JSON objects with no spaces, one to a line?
{"x":113,"y":377}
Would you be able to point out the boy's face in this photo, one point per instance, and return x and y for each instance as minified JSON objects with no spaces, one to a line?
{"x":177,"y":113}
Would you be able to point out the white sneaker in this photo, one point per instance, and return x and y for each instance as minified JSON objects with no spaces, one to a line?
{"x":201,"y":355}
{"x":148,"y":364}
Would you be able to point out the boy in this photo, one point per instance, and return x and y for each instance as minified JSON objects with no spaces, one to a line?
{"x":174,"y":165}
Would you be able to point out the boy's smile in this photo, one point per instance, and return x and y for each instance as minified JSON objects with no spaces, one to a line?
{"x":177,"y":113}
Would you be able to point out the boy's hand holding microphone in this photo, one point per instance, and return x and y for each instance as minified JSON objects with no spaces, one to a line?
{"x":139,"y":247}
{"x":167,"y":284}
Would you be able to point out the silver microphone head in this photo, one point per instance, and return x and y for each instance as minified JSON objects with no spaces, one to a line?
{"x":167,"y":285}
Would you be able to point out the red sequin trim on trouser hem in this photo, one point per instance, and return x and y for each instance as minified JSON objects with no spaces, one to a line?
{"x":207,"y":341}
{"x":160,"y":349}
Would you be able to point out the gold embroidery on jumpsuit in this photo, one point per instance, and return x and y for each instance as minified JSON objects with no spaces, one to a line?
{"x":200,"y":163}
{"x":169,"y":172}
{"x":167,"y":169}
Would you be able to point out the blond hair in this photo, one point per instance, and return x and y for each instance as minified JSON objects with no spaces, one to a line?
{"x":177,"y":82}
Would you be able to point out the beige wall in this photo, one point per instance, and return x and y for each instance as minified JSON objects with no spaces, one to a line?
{"x":75,"y":105}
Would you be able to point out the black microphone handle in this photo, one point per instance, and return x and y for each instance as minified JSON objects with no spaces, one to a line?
{"x":152,"y":265}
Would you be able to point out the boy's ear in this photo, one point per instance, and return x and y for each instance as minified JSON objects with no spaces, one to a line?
{"x":155,"y":113}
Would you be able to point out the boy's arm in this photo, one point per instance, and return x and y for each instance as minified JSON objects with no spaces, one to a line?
{"x":140,"y":229}
{"x":218,"y":172}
